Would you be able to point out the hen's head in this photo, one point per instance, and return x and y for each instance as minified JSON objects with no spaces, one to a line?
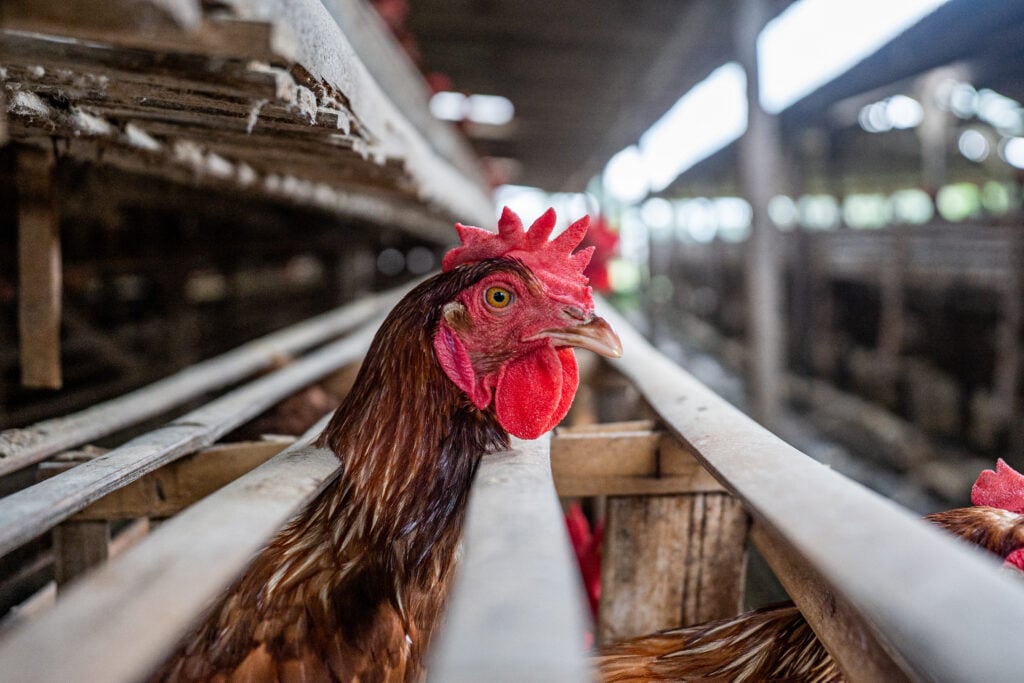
{"x":509,"y":336}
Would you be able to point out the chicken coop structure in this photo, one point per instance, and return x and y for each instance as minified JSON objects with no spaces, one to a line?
{"x":272,"y":105}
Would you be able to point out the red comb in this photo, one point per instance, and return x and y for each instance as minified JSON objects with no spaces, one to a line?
{"x":552,"y":261}
{"x":604,"y":240}
{"x":1002,"y":489}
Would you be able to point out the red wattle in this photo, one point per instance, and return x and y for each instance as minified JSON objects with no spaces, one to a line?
{"x":570,"y":382}
{"x":533,"y":393}
{"x":454,"y":360}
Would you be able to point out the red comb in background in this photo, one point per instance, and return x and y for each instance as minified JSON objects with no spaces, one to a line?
{"x":587,"y":546}
{"x":605,"y":242}
{"x":1002,"y":489}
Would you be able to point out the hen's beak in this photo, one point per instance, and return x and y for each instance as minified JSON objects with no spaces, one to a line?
{"x":596,"y":335}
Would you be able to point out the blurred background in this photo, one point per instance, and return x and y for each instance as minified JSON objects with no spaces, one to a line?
{"x":814,"y":205}
{"x":817,"y":203}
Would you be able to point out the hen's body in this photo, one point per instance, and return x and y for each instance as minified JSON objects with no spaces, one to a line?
{"x":776,"y":643}
{"x":352,"y":588}
{"x":769,"y":644}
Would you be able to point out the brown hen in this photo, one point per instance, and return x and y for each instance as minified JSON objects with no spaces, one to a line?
{"x":352,"y":589}
{"x":776,"y":643}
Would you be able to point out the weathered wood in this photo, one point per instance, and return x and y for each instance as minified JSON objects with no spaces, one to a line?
{"x":859,"y":654}
{"x":599,"y":460}
{"x":38,"y":603}
{"x":77,"y":548}
{"x":943,"y":610}
{"x":26,"y":446}
{"x":670,"y":561}
{"x":516,"y":611}
{"x":129,"y":537}
{"x":605,"y":453}
{"x":368,"y":162}
{"x":1006,"y":374}
{"x":118,"y":623}
{"x":172,"y":488}
{"x":31,"y":511}
{"x":3,"y":119}
{"x":39,"y":270}
{"x":891,"y":323}
{"x":572,"y":486}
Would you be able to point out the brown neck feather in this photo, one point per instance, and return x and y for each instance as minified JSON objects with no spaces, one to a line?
{"x":409,"y":439}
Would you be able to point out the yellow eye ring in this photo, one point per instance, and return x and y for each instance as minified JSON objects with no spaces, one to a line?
{"x":497,"y":297}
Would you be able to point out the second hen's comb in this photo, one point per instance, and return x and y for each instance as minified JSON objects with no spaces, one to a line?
{"x":552,"y":261}
{"x":1002,"y":489}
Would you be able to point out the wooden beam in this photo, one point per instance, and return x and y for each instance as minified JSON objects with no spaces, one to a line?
{"x":670,"y":561}
{"x":4,"y":135}
{"x":77,"y":548}
{"x":516,"y":611}
{"x":118,"y":623}
{"x":26,"y":446}
{"x":618,"y":459}
{"x":1006,"y":379}
{"x":39,"y":270}
{"x":32,"y":511}
{"x":843,"y":631}
{"x":174,"y":487}
{"x":893,"y":568}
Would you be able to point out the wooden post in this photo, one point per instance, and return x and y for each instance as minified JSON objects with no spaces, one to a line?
{"x":759,"y":168}
{"x":78,"y":547}
{"x":1006,"y":382}
{"x":670,"y":561}
{"x":39,"y":270}
{"x":3,"y":119}
{"x":891,"y":320}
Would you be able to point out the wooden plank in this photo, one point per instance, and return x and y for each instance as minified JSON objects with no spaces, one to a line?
{"x":601,"y":427}
{"x":129,"y":537}
{"x":1006,"y":374}
{"x":884,"y":561}
{"x":31,"y":511}
{"x":118,"y":623}
{"x":4,"y":136}
{"x":598,"y":460}
{"x":570,"y":486}
{"x":329,"y":56}
{"x":39,"y":270}
{"x":324,"y":90}
{"x":516,"y":612}
{"x":670,"y":561}
{"x":26,"y":446}
{"x":605,"y":453}
{"x":77,"y":548}
{"x":172,"y":488}
{"x":845,"y":634}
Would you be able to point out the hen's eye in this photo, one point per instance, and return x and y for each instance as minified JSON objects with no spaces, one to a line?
{"x":498,"y":297}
